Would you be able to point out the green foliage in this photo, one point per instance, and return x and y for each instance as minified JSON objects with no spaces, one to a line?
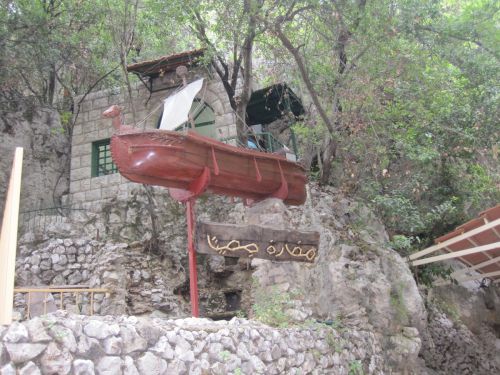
{"x":399,"y":212}
{"x":425,"y":274}
{"x":411,"y":87}
{"x":428,"y":273}
{"x":356,"y":368}
{"x":270,"y":305}
{"x":402,"y":244}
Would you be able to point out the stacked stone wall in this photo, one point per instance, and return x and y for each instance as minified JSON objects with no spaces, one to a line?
{"x":62,"y":344}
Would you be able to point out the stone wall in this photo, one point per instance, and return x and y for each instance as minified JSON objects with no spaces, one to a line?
{"x":111,"y":246}
{"x":137,"y":282}
{"x":63,"y":344}
{"x":91,"y":127}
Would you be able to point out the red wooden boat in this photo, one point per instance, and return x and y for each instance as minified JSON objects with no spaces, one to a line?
{"x":190,"y":164}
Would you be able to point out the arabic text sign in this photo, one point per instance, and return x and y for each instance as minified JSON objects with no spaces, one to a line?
{"x":252,"y":241}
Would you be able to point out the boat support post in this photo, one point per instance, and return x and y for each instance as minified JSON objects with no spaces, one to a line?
{"x":193,"y":273}
{"x":188,"y":197}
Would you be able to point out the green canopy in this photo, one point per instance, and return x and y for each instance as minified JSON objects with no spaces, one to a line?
{"x":271,"y":103}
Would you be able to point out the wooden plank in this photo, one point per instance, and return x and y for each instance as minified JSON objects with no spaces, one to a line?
{"x":8,"y":240}
{"x":456,"y":239}
{"x":456,"y":254}
{"x":252,"y":241}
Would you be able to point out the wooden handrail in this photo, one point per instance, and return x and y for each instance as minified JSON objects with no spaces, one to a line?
{"x":60,"y":290}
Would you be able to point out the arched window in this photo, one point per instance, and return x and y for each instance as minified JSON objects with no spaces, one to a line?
{"x":203,"y":117}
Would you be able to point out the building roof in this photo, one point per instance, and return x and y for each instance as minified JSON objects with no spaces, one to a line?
{"x":268,"y":104}
{"x":162,"y":65}
{"x":476,"y":244}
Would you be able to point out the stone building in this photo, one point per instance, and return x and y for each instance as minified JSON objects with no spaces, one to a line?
{"x":93,"y":174}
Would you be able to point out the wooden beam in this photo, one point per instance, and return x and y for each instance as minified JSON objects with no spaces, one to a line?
{"x":456,"y":239}
{"x":456,"y":254}
{"x":8,"y":240}
{"x":252,"y":241}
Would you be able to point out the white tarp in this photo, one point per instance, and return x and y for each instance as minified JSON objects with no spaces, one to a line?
{"x":177,"y":106}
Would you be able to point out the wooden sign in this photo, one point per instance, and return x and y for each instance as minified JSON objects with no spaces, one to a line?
{"x":252,"y":241}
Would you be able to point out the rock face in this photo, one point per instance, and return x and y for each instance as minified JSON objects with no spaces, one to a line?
{"x":463,"y":335}
{"x":355,"y":278}
{"x":193,"y":346}
{"x":451,"y":348}
{"x":135,"y":247}
{"x":46,"y":161}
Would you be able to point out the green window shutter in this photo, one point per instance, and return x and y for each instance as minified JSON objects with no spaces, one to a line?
{"x":102,"y":163}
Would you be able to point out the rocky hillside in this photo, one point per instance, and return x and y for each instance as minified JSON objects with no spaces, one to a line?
{"x":359,"y":286}
{"x":46,"y":156}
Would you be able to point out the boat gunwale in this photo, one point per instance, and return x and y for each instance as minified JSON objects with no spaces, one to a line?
{"x":210,"y":142}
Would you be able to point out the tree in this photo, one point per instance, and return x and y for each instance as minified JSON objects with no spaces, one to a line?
{"x":227,"y":30}
{"x":50,"y":49}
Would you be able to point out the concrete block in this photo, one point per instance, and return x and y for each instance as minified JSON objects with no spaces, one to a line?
{"x":80,"y":120}
{"x":128,"y":118}
{"x":74,"y":187}
{"x":109,"y":192}
{"x":102,"y":103}
{"x":232,"y":130}
{"x":75,"y":162}
{"x":85,"y":184}
{"x":103,"y":123}
{"x":78,"y":197}
{"x":93,"y":195}
{"x":86,"y":106}
{"x":227,"y":119}
{"x":77,"y":129}
{"x":79,"y":174}
{"x":85,"y":160}
{"x":95,"y":114}
{"x":79,"y":150}
{"x":88,"y":126}
{"x":116,"y":99}
{"x":93,"y":136}
{"x":114,"y":179}
{"x":98,"y":182}
{"x":79,"y":139}
{"x":105,"y":133}
{"x":122,"y":191}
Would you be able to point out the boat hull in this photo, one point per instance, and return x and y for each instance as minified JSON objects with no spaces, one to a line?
{"x":179,"y":160}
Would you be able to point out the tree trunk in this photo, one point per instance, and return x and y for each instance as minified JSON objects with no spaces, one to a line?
{"x":329,"y":153}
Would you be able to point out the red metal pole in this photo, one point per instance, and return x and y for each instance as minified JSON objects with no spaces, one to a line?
{"x":193,"y":275}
